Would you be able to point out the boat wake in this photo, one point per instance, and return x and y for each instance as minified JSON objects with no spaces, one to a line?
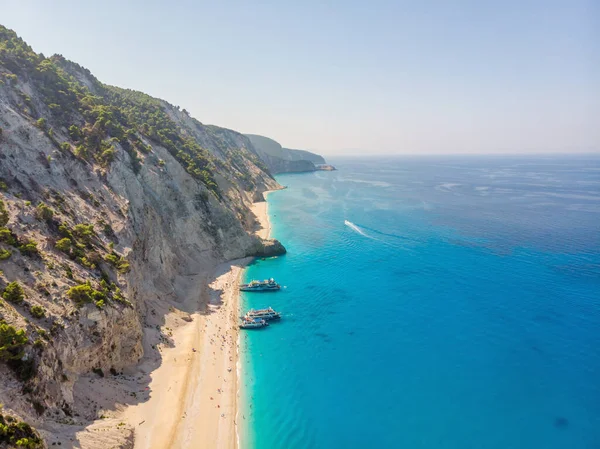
{"x":398,"y":242}
{"x":355,"y":228}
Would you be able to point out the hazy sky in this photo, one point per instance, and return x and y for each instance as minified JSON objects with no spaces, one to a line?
{"x":445,"y":76}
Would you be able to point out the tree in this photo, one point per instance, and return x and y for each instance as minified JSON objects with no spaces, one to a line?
{"x":84,"y":231}
{"x":11,"y":342}
{"x":64,"y":245}
{"x":41,"y":123}
{"x":81,"y":293}
{"x":43,"y":212}
{"x":4,"y":217}
{"x":38,"y":311}
{"x":14,"y":293}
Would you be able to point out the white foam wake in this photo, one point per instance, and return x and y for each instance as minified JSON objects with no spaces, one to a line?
{"x":357,"y":229}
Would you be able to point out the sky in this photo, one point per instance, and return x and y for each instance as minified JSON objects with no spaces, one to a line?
{"x":348,"y":77}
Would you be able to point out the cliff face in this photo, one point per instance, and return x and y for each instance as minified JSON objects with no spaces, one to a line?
{"x":284,"y":160}
{"x":111,"y":198}
{"x":303,"y":155}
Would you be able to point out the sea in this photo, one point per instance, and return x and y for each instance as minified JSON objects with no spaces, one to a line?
{"x":429,"y":303}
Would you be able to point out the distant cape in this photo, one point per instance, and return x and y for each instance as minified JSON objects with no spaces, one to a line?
{"x":284,"y":160}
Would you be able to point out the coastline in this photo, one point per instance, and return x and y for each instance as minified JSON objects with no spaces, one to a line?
{"x":194,"y":393}
{"x":261,"y":211}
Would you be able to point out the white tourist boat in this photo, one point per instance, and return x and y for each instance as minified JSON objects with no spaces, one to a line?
{"x":267,"y":314}
{"x":268,"y":285}
{"x":253,"y":324}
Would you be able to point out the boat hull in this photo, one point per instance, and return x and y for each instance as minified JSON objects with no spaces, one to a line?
{"x":259,"y":290}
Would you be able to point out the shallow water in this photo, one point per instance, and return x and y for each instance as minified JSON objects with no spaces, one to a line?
{"x":430,"y":303}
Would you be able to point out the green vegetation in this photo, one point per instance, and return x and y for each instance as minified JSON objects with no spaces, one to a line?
{"x":29,"y":248}
{"x":77,"y":243}
{"x":118,"y":262}
{"x":7,"y":237}
{"x":43,"y":212}
{"x":64,"y":245}
{"x":84,"y":231}
{"x":14,"y":433}
{"x":5,"y":254}
{"x":38,"y":311}
{"x":3,"y":214}
{"x":84,"y":293}
{"x":12,"y":342}
{"x":14,"y":293}
{"x":111,"y":116}
{"x":42,"y":123}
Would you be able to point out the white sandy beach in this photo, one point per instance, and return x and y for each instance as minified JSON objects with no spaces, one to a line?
{"x":194,"y":392}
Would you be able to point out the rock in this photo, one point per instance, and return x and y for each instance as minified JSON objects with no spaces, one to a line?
{"x":267,"y":248}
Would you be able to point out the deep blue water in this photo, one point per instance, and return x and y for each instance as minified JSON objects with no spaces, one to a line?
{"x":430,"y":303}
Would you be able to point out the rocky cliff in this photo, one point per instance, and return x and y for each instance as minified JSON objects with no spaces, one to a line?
{"x":109,"y":198}
{"x":284,"y":160}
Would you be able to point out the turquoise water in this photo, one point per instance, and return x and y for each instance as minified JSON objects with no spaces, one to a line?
{"x":430,"y":303}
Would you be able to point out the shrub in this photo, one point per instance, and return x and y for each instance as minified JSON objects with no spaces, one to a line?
{"x":7,"y":237}
{"x":3,"y":214}
{"x":85,"y":293}
{"x":43,"y":212}
{"x":29,"y":247}
{"x":64,"y":245}
{"x":5,"y":254}
{"x":41,"y":123}
{"x":75,"y":132}
{"x":87,"y":263}
{"x":12,"y":342}
{"x":14,"y":433}
{"x":84,"y":231}
{"x":81,"y":294}
{"x":38,"y":311}
{"x":100,"y":304}
{"x":118,"y":262}
{"x":68,"y":271}
{"x":65,"y":231}
{"x":14,"y":293}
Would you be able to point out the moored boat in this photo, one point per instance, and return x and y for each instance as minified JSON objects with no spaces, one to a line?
{"x":253,"y":324}
{"x":265,"y":314}
{"x":268,"y":285}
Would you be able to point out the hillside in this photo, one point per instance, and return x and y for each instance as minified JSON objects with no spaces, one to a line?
{"x":284,"y":160}
{"x":114,"y":208}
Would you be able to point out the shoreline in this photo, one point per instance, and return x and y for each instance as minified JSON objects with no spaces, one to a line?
{"x":261,"y":211}
{"x":195,"y":391}
{"x":187,"y":385}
